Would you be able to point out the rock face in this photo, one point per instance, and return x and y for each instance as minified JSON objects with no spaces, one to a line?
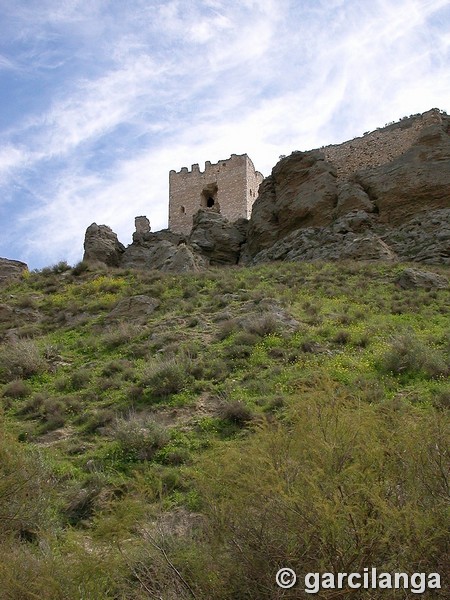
{"x":348,"y":238}
{"x":102,"y":246}
{"x":309,"y":208}
{"x":300,"y":192}
{"x":416,"y":181}
{"x":218,"y":240}
{"x":11,"y":269}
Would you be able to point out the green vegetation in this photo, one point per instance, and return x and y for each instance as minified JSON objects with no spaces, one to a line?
{"x":285,"y":415}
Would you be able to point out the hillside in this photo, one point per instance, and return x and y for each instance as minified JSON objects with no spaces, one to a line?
{"x":186,"y":435}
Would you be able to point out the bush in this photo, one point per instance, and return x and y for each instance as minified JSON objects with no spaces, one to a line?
{"x":20,"y":359}
{"x":25,"y":490}
{"x":408,"y":355}
{"x":139,"y":436}
{"x":80,"y":268}
{"x":236,"y":412}
{"x":120,"y":334}
{"x":16,"y":389}
{"x":342,"y":337}
{"x":320,"y":492}
{"x":166,"y":377}
{"x":96,"y":419}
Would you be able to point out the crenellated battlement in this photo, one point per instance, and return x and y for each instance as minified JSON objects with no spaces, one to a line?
{"x":195,"y":168}
{"x":229,"y":186}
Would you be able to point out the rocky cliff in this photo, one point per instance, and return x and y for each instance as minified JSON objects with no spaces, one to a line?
{"x":386,"y":197}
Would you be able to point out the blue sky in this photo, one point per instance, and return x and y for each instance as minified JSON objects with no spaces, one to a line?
{"x":101,"y":98}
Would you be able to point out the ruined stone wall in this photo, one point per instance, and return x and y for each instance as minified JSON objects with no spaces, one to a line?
{"x":379,"y":147}
{"x":254,"y":180}
{"x":229,"y":187}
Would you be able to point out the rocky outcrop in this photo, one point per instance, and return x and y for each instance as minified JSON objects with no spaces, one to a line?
{"x":163,"y":250}
{"x":343,"y":240}
{"x":301,"y":192}
{"x":218,"y":240}
{"x":384,"y":196}
{"x":424,"y":238}
{"x":11,"y":269}
{"x":417,"y":181}
{"x":310,"y":209}
{"x":102,"y":246}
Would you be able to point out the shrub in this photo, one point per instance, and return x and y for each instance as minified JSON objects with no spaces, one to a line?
{"x":16,"y":389}
{"x":139,"y":436}
{"x":329,"y":487}
{"x":96,"y":419}
{"x":120,"y":334}
{"x":407,"y":355}
{"x":342,"y":337}
{"x":80,"y":378}
{"x":236,"y":412}
{"x":262,"y":325}
{"x":20,"y":359}
{"x":60,"y":267}
{"x":166,"y":377}
{"x":80,"y":268}
{"x":24,"y":491}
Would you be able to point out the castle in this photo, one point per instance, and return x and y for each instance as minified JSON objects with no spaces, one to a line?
{"x":229,"y":187}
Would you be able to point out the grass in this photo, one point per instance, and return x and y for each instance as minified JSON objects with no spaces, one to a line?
{"x":146,"y":433}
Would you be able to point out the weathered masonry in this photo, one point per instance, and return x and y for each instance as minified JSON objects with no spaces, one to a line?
{"x":229,"y":187}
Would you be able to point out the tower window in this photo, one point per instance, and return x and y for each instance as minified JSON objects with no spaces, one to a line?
{"x":182,"y":210}
{"x":208,"y":197}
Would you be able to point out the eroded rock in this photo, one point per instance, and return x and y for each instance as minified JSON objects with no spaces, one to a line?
{"x":11,"y":269}
{"x":134,"y":308}
{"x":412,"y":278}
{"x":102,"y":246}
{"x":216,"y":238}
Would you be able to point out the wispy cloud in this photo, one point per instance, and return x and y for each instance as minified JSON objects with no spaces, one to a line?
{"x":111,"y":96}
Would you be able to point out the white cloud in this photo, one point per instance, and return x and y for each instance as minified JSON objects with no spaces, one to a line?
{"x":175,"y":83}
{"x":11,"y":158}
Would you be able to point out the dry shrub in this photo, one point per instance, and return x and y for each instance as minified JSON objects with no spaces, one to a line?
{"x":236,"y":412}
{"x":330,"y":485}
{"x":139,"y":436}
{"x":16,"y":389}
{"x":21,"y":359}
{"x":408,"y":355}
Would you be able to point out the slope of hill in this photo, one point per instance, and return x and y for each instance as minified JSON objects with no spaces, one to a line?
{"x":185,"y":436}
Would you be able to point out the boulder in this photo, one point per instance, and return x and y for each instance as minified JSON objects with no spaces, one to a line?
{"x":412,"y":278}
{"x":102,"y":246}
{"x":11,"y":269}
{"x":216,"y":238}
{"x":352,"y":197}
{"x":161,"y":254}
{"x":134,"y":308}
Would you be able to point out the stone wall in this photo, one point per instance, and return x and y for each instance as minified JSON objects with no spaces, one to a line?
{"x":379,"y":147}
{"x":229,"y":187}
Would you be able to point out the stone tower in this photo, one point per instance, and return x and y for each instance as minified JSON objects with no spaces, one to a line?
{"x":229,"y":187}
